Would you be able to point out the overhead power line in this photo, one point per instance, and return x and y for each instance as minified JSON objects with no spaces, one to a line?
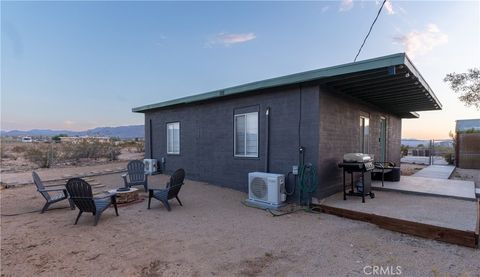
{"x":370,"y":30}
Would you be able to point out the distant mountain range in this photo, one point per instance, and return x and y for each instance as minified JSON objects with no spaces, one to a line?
{"x":123,"y":132}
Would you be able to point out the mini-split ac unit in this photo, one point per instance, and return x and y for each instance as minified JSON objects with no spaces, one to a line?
{"x":150,"y":166}
{"x":267,"y":188}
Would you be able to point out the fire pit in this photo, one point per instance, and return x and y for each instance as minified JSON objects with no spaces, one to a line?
{"x":125,"y":196}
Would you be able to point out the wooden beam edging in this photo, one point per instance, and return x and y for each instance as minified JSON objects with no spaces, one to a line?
{"x":464,"y":238}
{"x":477,"y":232}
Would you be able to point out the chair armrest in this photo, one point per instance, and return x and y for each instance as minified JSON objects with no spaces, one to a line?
{"x":47,"y":190}
{"x":151,"y":192}
{"x":157,"y":189}
{"x":384,"y":164}
{"x":55,"y":185}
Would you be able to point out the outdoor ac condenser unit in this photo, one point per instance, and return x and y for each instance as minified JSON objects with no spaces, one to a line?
{"x":266,"y":188}
{"x":150,"y":166}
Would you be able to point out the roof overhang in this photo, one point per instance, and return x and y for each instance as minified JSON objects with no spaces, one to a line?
{"x":391,"y":82}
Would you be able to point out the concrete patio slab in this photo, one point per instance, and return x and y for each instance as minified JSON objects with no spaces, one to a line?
{"x":445,"y":219}
{"x":430,"y":186}
{"x":436,"y":171}
{"x":450,"y":213}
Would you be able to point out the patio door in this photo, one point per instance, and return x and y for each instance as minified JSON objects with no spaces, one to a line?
{"x":383,"y":139}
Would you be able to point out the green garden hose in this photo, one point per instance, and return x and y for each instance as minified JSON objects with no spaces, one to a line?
{"x":308,"y":182}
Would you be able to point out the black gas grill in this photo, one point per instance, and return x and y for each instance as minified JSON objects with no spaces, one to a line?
{"x":364,"y":185}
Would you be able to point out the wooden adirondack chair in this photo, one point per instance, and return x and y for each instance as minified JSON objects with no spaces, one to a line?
{"x":136,"y":175}
{"x":81,"y":194}
{"x":171,"y":191}
{"x":48,"y":195}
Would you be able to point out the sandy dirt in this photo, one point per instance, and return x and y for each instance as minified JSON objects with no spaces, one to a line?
{"x":410,"y":169}
{"x":213,"y":234}
{"x":467,"y":175}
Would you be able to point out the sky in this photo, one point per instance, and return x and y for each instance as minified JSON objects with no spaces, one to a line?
{"x":80,"y":65}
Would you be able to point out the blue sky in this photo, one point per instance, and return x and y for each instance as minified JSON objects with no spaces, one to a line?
{"x":78,"y":65}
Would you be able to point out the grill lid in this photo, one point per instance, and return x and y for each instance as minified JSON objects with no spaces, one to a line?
{"x":357,"y":158}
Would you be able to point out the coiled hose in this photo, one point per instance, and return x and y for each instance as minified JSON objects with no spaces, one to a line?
{"x":308,"y":182}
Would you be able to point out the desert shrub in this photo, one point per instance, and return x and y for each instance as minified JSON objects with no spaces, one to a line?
{"x":140,"y":146}
{"x":113,"y":152}
{"x":90,"y":150}
{"x":42,"y":155}
{"x":19,"y":148}
{"x":4,"y":154}
{"x":449,"y":157}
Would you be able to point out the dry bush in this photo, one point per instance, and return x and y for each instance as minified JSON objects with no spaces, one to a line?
{"x":90,"y":150}
{"x":19,"y":148}
{"x":140,"y":146}
{"x":4,"y":153}
{"x":47,"y":155}
{"x":42,"y":155}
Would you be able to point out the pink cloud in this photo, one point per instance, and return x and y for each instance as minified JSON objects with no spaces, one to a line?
{"x":422,"y":42}
{"x":346,"y":5}
{"x":228,"y":39}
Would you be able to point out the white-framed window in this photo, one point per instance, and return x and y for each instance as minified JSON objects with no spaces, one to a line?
{"x":364,"y":134}
{"x":173,"y":138}
{"x":246,"y":135}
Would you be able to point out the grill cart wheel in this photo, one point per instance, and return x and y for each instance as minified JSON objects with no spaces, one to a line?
{"x":372,"y":195}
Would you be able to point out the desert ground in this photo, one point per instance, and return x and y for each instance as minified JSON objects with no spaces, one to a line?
{"x":410,"y":169}
{"x":213,"y":234}
{"x":19,"y":157}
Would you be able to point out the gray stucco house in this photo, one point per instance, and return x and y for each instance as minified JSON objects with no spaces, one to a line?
{"x":221,"y":136}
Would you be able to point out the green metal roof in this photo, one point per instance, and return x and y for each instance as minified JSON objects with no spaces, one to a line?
{"x":361,"y":76}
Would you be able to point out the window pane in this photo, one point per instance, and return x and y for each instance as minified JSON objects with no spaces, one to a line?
{"x":252,"y":134}
{"x":361,"y":134}
{"x":364,"y":133}
{"x":173,"y":138}
{"x":240,"y":135}
{"x":169,"y":138}
{"x":176,"y":139}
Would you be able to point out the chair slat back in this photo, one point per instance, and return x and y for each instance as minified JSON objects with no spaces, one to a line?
{"x":38,"y":182}
{"x":176,"y":182}
{"x":81,"y":194}
{"x":136,"y":171}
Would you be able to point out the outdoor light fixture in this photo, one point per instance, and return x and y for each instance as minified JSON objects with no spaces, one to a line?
{"x":392,"y":70}
{"x":407,"y":75}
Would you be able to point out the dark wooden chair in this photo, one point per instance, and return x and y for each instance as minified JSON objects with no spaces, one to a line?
{"x":136,"y":175}
{"x":382,"y":168}
{"x":81,"y":194}
{"x":170,"y":191}
{"x":58,"y":194}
